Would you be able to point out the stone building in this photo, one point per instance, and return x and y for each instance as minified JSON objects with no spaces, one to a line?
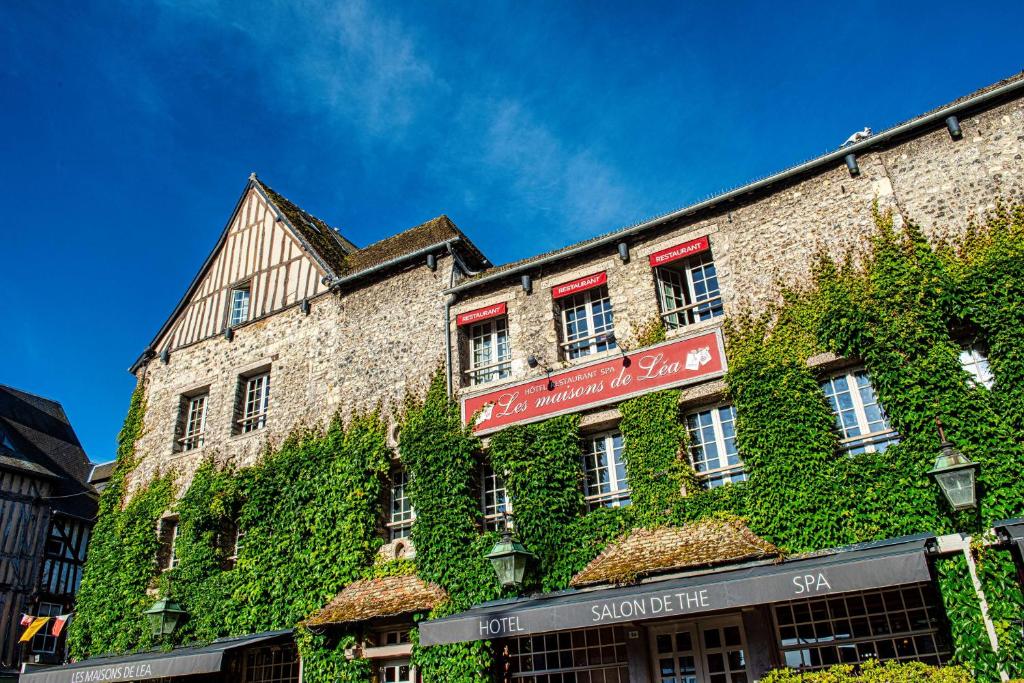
{"x":285,"y":301}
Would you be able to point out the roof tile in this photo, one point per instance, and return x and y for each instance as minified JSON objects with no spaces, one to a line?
{"x":381,"y":597}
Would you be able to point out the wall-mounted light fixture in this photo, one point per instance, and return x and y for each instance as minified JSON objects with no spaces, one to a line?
{"x":229,"y":333}
{"x":432,"y":261}
{"x":165,"y":356}
{"x":851,"y":164}
{"x":953,"y":126}
{"x":305,"y":307}
{"x":533,"y":362}
{"x":624,"y":252}
{"x":955,"y":474}
{"x":527,"y":284}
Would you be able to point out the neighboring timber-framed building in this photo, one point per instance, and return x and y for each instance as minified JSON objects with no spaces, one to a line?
{"x":284,"y":301}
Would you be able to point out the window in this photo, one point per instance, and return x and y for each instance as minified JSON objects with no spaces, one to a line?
{"x":43,"y":643}
{"x":397,"y":671}
{"x":586,"y":323}
{"x":902,"y":624}
{"x":235,"y":536}
{"x":402,"y":515}
{"x":862,"y":424}
{"x":396,"y":637}
{"x":688,"y":291}
{"x":238,"y":313}
{"x":254,"y":399}
{"x":495,"y":499}
{"x":489,"y":352}
{"x":589,"y":656}
{"x":168,"y":558}
{"x":192,"y":429}
{"x":975,"y":362}
{"x":605,"y":471}
{"x":273,"y":664}
{"x":713,"y":446}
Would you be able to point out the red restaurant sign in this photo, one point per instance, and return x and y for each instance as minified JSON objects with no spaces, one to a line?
{"x":581,"y":285}
{"x":660,"y":258}
{"x":479,"y":314}
{"x":669,"y":364}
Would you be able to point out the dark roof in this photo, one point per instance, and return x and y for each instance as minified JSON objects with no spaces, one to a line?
{"x":326,"y":242}
{"x":45,"y":444}
{"x":101,"y":473}
{"x":381,"y":597}
{"x":968,"y":102}
{"x":645,"y":552}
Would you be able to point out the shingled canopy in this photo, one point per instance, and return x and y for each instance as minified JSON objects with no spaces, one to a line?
{"x":387,"y":596}
{"x":645,"y":552}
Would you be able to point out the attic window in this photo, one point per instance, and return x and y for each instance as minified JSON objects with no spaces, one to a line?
{"x":238,"y":312}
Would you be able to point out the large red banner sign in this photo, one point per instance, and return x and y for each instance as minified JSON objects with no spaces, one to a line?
{"x":660,"y":258}
{"x":581,"y":285}
{"x":669,"y":364}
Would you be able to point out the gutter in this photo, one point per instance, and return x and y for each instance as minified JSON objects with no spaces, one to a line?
{"x":937,"y":116}
{"x":335,"y":282}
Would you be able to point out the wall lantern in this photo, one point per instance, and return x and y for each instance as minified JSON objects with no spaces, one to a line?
{"x":164,"y":617}
{"x":953,"y":126}
{"x":527,"y":284}
{"x":955,"y":475}
{"x":624,"y":252}
{"x":432,"y":261}
{"x":509,"y":559}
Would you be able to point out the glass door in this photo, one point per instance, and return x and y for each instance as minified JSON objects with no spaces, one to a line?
{"x":712,"y":651}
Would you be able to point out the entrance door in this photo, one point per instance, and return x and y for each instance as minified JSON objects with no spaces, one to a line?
{"x":711,"y":651}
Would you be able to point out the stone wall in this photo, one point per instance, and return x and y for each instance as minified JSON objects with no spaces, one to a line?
{"x":769,"y":240}
{"x":368,"y":346}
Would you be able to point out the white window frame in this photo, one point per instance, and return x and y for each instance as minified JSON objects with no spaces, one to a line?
{"x":678,"y":299}
{"x":255,"y":398}
{"x":974,"y":361}
{"x":592,"y":338}
{"x":396,"y":664}
{"x":172,"y":557}
{"x":237,"y":545}
{"x":43,"y":643}
{"x":239,"y":304}
{"x":495,"y":502}
{"x":494,"y":360}
{"x":400,"y":521}
{"x":725,"y":473}
{"x":867,"y":440}
{"x":194,"y":435}
{"x":618,"y":493}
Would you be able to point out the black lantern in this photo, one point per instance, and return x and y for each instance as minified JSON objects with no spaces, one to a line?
{"x":509,"y":559}
{"x":164,"y":616}
{"x":955,"y":475}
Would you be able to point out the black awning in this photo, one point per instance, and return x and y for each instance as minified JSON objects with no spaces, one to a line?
{"x":862,"y":567}
{"x":184,"y":661}
{"x":1012,"y":531}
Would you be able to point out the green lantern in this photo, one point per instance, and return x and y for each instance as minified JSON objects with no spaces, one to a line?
{"x":164,"y":617}
{"x":955,"y":474}
{"x":509,"y":559}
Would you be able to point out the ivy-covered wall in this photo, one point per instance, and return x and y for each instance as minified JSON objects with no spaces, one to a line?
{"x":311,"y":509}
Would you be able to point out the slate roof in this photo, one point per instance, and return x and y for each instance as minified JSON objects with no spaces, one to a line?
{"x":45,"y":444}
{"x":435,"y":231}
{"x":383,"y":597}
{"x":716,"y":199}
{"x":645,"y":552}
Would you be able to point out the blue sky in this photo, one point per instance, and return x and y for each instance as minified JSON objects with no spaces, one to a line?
{"x":128,"y":131}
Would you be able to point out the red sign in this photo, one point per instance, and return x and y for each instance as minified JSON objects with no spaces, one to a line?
{"x":480,"y":314}
{"x":660,"y":258}
{"x":669,"y":364}
{"x":581,"y":285}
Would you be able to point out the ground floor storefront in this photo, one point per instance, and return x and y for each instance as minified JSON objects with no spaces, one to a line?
{"x":876,"y":601}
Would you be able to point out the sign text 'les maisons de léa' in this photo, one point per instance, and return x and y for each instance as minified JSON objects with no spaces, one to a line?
{"x":665,"y":365}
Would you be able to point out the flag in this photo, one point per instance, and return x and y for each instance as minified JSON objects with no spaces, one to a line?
{"x":33,"y":628}
{"x":59,"y":622}
{"x":26,"y":619}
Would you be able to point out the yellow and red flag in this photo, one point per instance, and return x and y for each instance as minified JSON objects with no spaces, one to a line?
{"x":33,"y":628}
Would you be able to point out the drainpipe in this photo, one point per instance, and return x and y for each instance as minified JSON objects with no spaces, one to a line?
{"x":448,"y":303}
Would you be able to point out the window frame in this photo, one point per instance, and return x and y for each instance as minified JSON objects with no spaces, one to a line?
{"x":617,"y":495}
{"x":866,"y":441}
{"x":725,"y":474}
{"x":241,"y":287}
{"x":498,"y":366}
{"x":44,"y":636}
{"x":593,"y":340}
{"x":248,"y":422}
{"x":687,"y":308}
{"x":187,"y":439}
{"x":976,"y":365}
{"x":493,"y":484}
{"x":399,"y":523}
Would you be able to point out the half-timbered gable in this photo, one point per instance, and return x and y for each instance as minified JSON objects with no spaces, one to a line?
{"x":271,"y":255}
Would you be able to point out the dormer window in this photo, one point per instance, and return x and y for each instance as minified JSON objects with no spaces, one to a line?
{"x":238,"y":312}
